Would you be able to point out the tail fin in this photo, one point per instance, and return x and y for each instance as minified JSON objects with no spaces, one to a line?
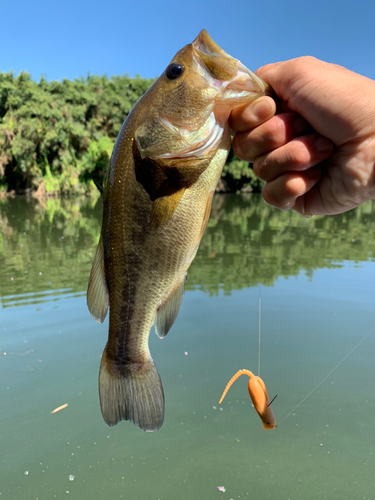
{"x":131,"y":395}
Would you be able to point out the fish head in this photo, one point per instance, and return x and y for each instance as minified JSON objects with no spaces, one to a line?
{"x":188,"y":107}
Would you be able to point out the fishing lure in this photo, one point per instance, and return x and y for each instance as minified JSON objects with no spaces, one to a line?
{"x":259,"y":397}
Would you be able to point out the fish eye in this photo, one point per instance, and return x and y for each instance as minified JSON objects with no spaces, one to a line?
{"x":174,"y":70}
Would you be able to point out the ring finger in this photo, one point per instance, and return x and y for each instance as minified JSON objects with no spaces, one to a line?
{"x":297,"y":155}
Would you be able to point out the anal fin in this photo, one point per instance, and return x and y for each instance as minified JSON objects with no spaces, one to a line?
{"x":168,"y":311}
{"x":97,"y":290}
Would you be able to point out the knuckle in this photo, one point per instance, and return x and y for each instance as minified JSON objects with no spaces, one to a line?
{"x":268,"y":195}
{"x":238,"y":147}
{"x":300,"y":63}
{"x":276,"y":197}
{"x":307,"y":60}
{"x":275,"y":132}
{"x":245,"y":146}
{"x":279,"y":193}
{"x":299,"y":156}
{"x":260,"y":167}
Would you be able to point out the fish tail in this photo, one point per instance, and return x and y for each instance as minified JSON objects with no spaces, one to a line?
{"x":134,"y":394}
{"x":233,"y":379}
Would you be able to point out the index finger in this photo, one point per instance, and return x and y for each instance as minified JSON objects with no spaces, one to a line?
{"x":247,"y":117}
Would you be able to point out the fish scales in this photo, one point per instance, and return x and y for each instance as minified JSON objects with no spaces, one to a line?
{"x":164,"y":170}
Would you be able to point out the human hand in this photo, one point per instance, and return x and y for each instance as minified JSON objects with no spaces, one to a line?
{"x":317,"y":155}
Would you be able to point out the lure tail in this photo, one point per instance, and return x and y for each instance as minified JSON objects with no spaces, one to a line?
{"x":131,"y":394}
{"x":233,"y":379}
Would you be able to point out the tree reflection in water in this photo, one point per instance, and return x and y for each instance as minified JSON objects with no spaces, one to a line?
{"x":46,"y":249}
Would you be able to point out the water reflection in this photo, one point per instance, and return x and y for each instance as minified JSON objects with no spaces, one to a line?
{"x":50,"y":354}
{"x":46,"y":250}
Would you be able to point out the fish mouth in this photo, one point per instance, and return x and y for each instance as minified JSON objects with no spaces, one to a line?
{"x":244,"y":87}
{"x":237,"y":83}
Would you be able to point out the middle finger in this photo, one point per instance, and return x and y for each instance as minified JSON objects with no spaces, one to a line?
{"x":270,"y":135}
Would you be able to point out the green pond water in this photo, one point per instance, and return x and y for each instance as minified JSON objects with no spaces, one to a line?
{"x":317,"y":280}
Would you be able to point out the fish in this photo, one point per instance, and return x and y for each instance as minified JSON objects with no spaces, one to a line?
{"x":157,"y":198}
{"x":259,"y":397}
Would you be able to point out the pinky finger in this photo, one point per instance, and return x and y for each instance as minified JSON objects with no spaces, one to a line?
{"x":284,"y":191}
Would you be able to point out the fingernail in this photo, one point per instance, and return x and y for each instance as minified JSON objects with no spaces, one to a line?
{"x":323,"y":145}
{"x":300,"y":207}
{"x":262,"y":110}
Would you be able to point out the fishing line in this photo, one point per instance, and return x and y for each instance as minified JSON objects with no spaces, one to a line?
{"x":259,"y":303}
{"x":328,"y":374}
{"x":259,"y":326}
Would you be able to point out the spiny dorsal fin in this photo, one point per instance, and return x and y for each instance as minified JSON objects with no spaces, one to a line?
{"x":164,"y":208}
{"x":97,"y":290}
{"x":167,"y":313}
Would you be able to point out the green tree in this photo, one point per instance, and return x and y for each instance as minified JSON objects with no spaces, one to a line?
{"x":59,"y":136}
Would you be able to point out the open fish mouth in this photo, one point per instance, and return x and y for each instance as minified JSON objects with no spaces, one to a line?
{"x":237,"y":83}
{"x":244,"y":87}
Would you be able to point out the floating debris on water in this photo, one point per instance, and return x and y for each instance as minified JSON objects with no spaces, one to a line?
{"x":186,"y":353}
{"x":26,"y":472}
{"x":59,"y":408}
{"x":222,"y":489}
{"x":71,"y":477}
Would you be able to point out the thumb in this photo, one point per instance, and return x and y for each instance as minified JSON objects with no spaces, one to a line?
{"x":275,"y":75}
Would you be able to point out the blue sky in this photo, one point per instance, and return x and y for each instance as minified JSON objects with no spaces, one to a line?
{"x":71,"y":38}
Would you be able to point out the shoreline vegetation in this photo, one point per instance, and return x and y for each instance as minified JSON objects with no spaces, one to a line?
{"x":56,"y":138}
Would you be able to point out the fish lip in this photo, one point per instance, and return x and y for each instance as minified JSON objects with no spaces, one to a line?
{"x":204,"y":43}
{"x":246,"y":79}
{"x":246,"y":85}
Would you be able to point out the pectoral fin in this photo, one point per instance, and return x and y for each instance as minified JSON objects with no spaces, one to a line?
{"x":206,"y":215}
{"x":167,"y":312}
{"x":97,"y":290}
{"x":164,"y":177}
{"x":164,"y":208}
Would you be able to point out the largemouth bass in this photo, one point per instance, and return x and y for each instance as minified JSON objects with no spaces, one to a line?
{"x":165,"y":166}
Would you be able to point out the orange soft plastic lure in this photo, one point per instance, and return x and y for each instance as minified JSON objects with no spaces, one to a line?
{"x":258,"y":395}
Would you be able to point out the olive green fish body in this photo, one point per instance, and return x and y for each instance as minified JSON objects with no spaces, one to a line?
{"x":164,"y":169}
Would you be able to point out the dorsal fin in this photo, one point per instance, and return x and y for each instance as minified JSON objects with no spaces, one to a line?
{"x":97,"y":290}
{"x":167,"y":313}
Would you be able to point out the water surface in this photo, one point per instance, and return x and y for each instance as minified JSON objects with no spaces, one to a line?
{"x":317,"y":289}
